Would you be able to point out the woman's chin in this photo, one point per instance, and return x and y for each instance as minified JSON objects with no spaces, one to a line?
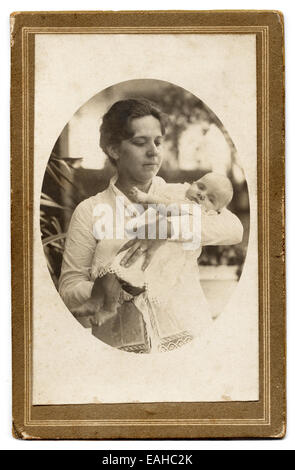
{"x":150,"y":171}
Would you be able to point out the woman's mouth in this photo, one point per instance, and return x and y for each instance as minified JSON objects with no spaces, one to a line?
{"x":150,"y":165}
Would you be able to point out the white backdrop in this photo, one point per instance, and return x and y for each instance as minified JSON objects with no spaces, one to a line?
{"x":71,"y":366}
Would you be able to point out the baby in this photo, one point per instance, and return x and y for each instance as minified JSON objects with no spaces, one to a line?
{"x":212,"y":193}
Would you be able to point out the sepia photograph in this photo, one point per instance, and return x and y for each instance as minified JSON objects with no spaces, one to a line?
{"x":177,"y":155}
{"x":146,"y":170}
{"x":145,"y":222}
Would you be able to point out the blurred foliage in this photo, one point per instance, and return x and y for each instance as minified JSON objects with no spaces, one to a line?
{"x":54,"y":213}
{"x":228,"y":255}
{"x":183,"y":109}
{"x":65,"y":185}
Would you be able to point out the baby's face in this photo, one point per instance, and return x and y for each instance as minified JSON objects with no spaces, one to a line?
{"x":208,"y":192}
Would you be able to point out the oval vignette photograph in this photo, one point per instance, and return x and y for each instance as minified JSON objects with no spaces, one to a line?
{"x":145,"y":216}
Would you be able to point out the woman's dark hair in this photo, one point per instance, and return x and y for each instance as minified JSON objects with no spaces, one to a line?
{"x":115,"y":125}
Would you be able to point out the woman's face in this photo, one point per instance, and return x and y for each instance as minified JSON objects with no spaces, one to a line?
{"x":139,"y":157}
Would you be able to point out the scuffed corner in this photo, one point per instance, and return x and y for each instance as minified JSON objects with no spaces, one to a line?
{"x":15,"y":20}
{"x":280,"y":16}
{"x":12,"y":25}
{"x":18,"y":432}
{"x":281,"y":433}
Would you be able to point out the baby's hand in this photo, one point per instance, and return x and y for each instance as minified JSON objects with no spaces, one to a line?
{"x":132,"y":193}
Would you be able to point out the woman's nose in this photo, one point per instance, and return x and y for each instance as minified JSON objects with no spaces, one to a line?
{"x":152,"y":151}
{"x":201,"y":196}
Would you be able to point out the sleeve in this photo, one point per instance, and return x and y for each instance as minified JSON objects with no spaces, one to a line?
{"x":221,"y":229}
{"x":216,"y":229}
{"x":175,"y":191}
{"x":74,"y":283}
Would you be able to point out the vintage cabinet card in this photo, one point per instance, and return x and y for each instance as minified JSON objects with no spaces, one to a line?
{"x":148,"y":271}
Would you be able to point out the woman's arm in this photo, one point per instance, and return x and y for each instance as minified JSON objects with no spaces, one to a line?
{"x":216,"y":229}
{"x":210,"y":229}
{"x":74,"y":283}
{"x":221,"y":229}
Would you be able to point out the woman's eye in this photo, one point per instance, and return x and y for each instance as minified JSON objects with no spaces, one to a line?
{"x":139,"y":143}
{"x":158,"y":143}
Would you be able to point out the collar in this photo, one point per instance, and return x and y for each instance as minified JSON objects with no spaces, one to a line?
{"x":123,"y":199}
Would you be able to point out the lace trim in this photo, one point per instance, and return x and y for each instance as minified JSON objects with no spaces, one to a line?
{"x":139,"y":348}
{"x":176,"y":341}
{"x":109,"y":269}
{"x":102,"y":271}
{"x":166,"y":345}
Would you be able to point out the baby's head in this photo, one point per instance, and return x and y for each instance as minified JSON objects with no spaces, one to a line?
{"x":213,"y":191}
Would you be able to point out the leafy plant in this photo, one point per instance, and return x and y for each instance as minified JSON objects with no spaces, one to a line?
{"x":54,"y":212}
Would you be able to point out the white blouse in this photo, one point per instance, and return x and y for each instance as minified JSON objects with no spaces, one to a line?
{"x":75,"y":282}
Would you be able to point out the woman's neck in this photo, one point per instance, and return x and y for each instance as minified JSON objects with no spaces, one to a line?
{"x":124,"y":185}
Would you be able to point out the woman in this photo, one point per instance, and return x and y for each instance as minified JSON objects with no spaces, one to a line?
{"x":131,"y":135}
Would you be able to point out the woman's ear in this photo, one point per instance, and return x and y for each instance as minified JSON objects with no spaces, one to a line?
{"x":112,"y":152}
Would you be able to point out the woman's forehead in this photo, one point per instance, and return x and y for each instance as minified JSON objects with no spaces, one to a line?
{"x":145,"y":125}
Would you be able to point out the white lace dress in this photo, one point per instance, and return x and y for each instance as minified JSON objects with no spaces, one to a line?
{"x":173,"y":305}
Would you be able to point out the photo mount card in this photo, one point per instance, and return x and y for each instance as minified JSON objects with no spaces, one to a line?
{"x":173,"y":117}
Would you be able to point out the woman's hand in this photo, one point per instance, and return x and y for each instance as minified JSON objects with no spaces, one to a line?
{"x":137,"y":248}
